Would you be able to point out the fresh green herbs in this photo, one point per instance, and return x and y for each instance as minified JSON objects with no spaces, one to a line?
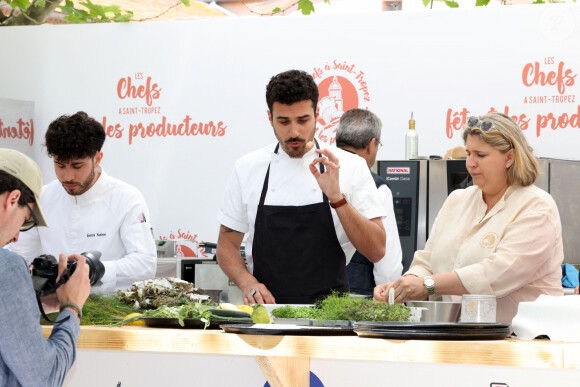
{"x":200,"y":311}
{"x":111,"y":310}
{"x":100,"y":310}
{"x":342,"y":307}
{"x":298,"y":312}
{"x":195,"y":310}
{"x":104,"y":310}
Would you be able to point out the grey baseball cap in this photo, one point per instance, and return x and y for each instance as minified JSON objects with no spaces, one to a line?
{"x":25,"y":169}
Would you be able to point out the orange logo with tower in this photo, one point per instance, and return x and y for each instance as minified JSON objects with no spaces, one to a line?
{"x":341,"y":87}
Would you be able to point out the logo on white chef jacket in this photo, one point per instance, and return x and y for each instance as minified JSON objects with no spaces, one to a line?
{"x":341,"y":87}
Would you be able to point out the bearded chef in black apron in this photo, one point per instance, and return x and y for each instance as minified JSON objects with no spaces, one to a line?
{"x":305,"y":207}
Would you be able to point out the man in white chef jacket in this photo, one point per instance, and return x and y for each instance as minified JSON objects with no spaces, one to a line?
{"x":304,"y":206}
{"x":359,"y":132}
{"x":90,"y":210}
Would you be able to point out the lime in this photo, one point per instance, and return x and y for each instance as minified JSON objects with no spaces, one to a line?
{"x":260,"y":315}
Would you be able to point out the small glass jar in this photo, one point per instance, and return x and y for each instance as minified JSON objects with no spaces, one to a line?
{"x":476,"y":308}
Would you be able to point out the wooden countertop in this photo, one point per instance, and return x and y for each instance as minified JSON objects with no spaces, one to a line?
{"x":516,"y":353}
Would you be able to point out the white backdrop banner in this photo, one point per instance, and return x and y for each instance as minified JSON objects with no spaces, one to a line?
{"x":181,"y":101}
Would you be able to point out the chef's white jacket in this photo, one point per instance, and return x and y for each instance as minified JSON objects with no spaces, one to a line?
{"x":111,"y":217}
{"x":292,"y":184}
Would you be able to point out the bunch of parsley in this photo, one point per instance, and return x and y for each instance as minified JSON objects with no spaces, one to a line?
{"x":343,"y":307}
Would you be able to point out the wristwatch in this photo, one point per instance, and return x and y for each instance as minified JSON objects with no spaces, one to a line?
{"x":429,"y":283}
{"x":339,"y":203}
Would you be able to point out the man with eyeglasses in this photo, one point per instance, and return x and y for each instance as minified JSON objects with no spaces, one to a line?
{"x":90,"y":210}
{"x":359,"y":132}
{"x":26,"y":357}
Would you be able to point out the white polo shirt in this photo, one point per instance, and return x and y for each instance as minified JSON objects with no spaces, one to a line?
{"x":292,"y":184}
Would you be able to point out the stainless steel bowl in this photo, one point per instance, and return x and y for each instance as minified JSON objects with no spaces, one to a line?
{"x":438,"y":311}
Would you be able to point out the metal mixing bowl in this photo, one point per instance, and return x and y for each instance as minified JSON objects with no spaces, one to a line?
{"x":438,"y":311}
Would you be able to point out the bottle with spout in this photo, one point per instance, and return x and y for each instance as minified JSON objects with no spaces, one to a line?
{"x":411,"y":141}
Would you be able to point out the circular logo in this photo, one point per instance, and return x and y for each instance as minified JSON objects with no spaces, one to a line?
{"x":342,"y":87}
{"x":489,"y":240}
{"x":336,"y":95}
{"x":193,"y":250}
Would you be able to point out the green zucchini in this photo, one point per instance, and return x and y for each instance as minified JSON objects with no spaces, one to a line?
{"x":216,"y":313}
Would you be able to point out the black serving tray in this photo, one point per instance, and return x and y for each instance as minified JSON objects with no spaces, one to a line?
{"x":432,"y":331}
{"x":191,"y":323}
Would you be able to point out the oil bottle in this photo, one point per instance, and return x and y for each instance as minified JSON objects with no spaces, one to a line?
{"x":411,"y":141}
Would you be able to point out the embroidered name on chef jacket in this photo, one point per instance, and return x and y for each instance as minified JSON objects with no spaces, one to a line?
{"x":99,"y":234}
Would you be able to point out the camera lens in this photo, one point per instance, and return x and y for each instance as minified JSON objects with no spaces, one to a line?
{"x":96,"y":267}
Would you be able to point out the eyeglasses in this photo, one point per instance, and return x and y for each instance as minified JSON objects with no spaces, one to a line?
{"x":30,"y":222}
{"x":379,"y":142}
{"x":485,"y":126}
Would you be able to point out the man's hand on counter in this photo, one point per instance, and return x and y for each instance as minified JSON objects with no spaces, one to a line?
{"x":257,"y":293}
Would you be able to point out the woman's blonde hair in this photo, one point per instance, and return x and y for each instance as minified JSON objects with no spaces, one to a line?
{"x":508,"y":135}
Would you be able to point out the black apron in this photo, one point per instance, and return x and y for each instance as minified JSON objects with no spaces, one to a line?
{"x":296,"y":251}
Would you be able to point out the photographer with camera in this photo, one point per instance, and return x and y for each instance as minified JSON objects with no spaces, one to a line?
{"x":90,"y":210}
{"x":26,"y":357}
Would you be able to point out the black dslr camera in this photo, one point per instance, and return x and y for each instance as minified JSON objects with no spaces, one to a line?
{"x":45,"y":272}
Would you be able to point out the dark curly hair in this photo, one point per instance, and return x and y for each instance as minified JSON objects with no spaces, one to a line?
{"x":9,"y":183}
{"x":74,"y":137}
{"x":290,"y":87}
